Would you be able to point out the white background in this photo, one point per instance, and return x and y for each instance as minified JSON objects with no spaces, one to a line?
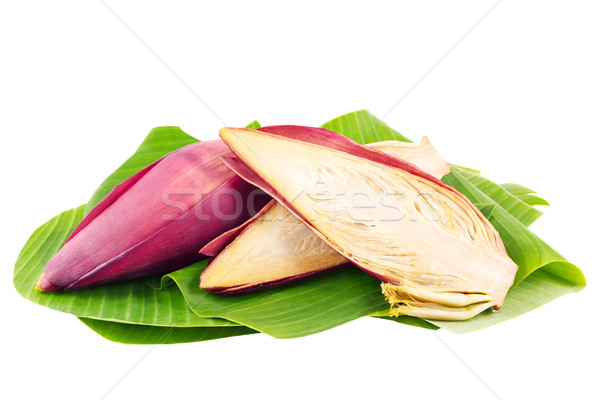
{"x":517,"y":97}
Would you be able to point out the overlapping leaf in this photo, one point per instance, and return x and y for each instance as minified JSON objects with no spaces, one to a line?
{"x":363,"y":127}
{"x":146,"y":334}
{"x":133,"y":302}
{"x":543,"y":273}
{"x":521,"y":210}
{"x":525,"y":194}
{"x":298,"y":309}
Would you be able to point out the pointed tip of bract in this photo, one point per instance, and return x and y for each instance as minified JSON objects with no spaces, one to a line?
{"x":227,"y":134}
{"x":225,"y":131}
{"x":39,"y":284}
{"x":43,"y":285}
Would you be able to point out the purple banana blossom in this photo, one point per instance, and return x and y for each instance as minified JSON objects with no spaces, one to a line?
{"x":156,"y":221}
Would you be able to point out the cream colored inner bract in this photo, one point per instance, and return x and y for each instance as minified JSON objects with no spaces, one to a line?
{"x":401,"y":227}
{"x":279,"y":246}
{"x":274,"y":247}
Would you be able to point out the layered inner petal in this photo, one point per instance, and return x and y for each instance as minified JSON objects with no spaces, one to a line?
{"x":401,"y":227}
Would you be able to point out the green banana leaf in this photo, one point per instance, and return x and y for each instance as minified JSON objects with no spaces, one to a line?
{"x":310,"y":308}
{"x":301,"y":308}
{"x":132,"y":302}
{"x":253,"y":125}
{"x":525,"y":194}
{"x":523,"y":211}
{"x":543,"y":273}
{"x":146,"y":334}
{"x":298,"y":309}
{"x":363,"y":127}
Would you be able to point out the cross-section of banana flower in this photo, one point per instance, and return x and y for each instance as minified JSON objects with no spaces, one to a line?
{"x":275,"y":247}
{"x":156,"y":221}
{"x":437,"y":255}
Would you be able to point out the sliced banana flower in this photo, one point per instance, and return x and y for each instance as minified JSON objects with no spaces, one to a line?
{"x":275,"y":247}
{"x":437,"y":255}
